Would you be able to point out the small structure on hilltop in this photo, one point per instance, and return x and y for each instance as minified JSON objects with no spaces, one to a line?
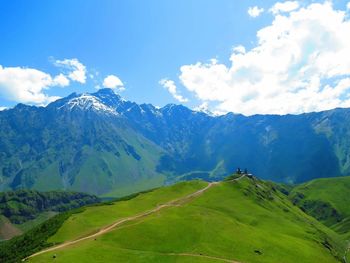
{"x":244,"y":172}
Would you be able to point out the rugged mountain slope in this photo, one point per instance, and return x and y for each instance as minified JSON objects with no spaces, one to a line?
{"x":76,"y":143}
{"x":23,"y":209}
{"x":102,"y":144}
{"x":246,"y":220}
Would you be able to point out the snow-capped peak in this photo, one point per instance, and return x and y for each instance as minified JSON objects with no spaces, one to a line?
{"x":89,"y":102}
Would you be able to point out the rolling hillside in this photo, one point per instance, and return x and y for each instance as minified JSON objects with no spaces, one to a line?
{"x":326,"y":199}
{"x":242,"y":220}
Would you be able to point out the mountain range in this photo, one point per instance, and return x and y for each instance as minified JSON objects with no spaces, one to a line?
{"x":102,"y":144}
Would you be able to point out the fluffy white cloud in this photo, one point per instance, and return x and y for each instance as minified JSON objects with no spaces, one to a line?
{"x":3,"y":108}
{"x":255,"y":11}
{"x":75,"y":70}
{"x":300,"y":64}
{"x":113,"y":82}
{"x":61,"y":80}
{"x":171,"y":87}
{"x":287,"y":6}
{"x":27,"y":85}
{"x":348,"y":6}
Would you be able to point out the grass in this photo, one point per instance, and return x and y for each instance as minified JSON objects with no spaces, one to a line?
{"x":334,"y":191}
{"x":17,"y":248}
{"x":332,"y":194}
{"x":96,"y":217}
{"x":7,"y":229}
{"x":138,"y":186}
{"x":245,"y":220}
{"x":98,"y":170}
{"x":42,"y":217}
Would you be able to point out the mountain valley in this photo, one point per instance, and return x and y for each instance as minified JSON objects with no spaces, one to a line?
{"x":101,"y":144}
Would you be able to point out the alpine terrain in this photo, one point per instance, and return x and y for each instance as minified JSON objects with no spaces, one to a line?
{"x":102,"y":144}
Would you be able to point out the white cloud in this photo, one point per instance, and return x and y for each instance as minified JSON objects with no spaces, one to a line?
{"x":348,"y":6}
{"x":3,"y":108}
{"x":27,"y":85}
{"x":61,"y":80}
{"x":287,"y":6}
{"x":239,"y":49}
{"x":300,"y":64}
{"x":171,"y":87}
{"x":255,"y":11}
{"x":75,"y":70}
{"x":113,"y":82}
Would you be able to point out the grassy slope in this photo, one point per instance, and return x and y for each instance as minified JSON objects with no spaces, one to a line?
{"x":334,"y":191}
{"x":100,"y":171}
{"x":96,"y":217}
{"x":232,"y":220}
{"x":23,"y":210}
{"x":7,"y":229}
{"x":42,"y":217}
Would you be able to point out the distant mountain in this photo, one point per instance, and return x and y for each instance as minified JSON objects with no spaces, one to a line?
{"x":102,"y":144}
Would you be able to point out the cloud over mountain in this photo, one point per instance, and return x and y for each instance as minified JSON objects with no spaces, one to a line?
{"x":113,"y":82}
{"x":28,"y":85}
{"x":75,"y":70}
{"x":171,"y":87}
{"x":299,"y":64}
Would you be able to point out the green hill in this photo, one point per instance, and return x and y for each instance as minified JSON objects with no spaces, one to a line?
{"x":327,"y":200}
{"x":246,"y":220}
{"x":23,"y":209}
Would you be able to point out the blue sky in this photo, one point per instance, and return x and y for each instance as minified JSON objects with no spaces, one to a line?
{"x":140,"y":42}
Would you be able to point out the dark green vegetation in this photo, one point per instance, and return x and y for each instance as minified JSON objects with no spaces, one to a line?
{"x":245,"y":220}
{"x":34,"y":240}
{"x":22,"y":209}
{"x":104,"y":145}
{"x":327,"y":200}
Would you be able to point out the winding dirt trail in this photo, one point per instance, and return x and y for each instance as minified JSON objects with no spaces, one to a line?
{"x":176,"y":202}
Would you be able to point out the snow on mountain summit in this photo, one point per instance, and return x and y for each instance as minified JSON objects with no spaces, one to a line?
{"x":87,"y":101}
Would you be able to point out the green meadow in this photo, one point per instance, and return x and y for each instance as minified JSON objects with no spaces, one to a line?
{"x":328,"y":200}
{"x":242,"y":221}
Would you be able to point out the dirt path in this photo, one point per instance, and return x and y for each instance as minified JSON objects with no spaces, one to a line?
{"x":239,"y":178}
{"x":176,"y":202}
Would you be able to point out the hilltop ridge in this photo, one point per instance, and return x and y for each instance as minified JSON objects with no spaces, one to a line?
{"x":242,"y":220}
